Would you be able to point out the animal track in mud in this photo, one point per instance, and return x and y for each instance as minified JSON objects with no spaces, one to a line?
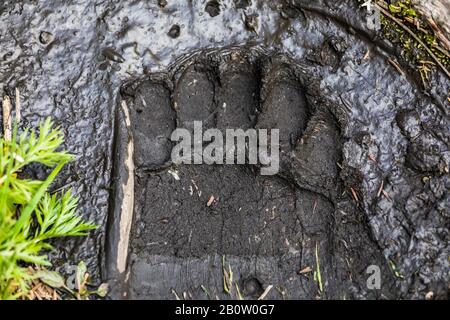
{"x":253,"y":219}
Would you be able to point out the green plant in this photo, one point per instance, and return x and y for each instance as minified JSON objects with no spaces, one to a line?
{"x":29,"y":215}
{"x":81,"y":290}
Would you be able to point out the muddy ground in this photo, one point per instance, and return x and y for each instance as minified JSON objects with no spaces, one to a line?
{"x":365,"y":153}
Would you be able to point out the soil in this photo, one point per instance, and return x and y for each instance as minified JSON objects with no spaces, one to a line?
{"x":365,"y":152}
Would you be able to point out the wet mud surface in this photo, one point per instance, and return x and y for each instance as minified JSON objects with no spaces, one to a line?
{"x":270,"y":227}
{"x":365,"y":151}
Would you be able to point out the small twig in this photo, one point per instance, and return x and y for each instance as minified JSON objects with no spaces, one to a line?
{"x":372,"y":158}
{"x":210,"y":201}
{"x":354,"y":194}
{"x":404,"y":27}
{"x":7,"y":123}
{"x":442,"y":50}
{"x":386,"y":195}
{"x":305,"y":270}
{"x":381,"y":189}
{"x":423,"y":69}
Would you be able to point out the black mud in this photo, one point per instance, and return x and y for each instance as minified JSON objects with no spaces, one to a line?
{"x":365,"y":153}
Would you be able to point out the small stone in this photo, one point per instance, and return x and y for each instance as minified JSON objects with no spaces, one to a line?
{"x":46,"y":37}
{"x":429,"y":295}
{"x":174,"y":32}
